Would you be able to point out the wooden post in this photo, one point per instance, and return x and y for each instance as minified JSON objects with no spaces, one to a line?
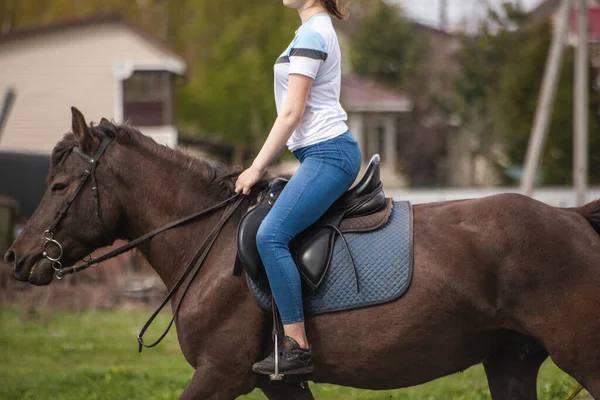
{"x":546,"y":100}
{"x":580,"y":113}
{"x":9,"y":99}
{"x":444,"y":15}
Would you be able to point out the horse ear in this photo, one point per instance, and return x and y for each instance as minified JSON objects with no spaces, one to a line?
{"x":81,"y":131}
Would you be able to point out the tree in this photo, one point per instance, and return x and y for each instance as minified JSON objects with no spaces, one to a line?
{"x":386,"y":48}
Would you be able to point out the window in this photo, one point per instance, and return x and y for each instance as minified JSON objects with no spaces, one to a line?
{"x":148,"y":98}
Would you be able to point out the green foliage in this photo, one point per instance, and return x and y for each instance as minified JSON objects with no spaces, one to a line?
{"x":387,"y":48}
{"x":93,"y":355}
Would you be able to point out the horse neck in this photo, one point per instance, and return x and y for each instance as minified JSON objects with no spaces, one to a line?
{"x":158,"y":192}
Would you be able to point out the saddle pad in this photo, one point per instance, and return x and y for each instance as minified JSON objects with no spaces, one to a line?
{"x":383,"y":260}
{"x":369,"y":222}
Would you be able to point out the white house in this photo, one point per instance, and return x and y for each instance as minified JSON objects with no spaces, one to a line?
{"x":375,"y":118}
{"x":104,"y":66}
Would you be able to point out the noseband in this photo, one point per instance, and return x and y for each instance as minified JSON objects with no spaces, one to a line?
{"x":90,"y":171}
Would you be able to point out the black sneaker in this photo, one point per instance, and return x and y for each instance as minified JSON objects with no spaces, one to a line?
{"x":293,"y":360}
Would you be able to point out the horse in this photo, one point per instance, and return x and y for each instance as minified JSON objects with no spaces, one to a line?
{"x":504,"y":280}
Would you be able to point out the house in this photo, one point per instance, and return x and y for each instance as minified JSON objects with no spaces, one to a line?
{"x":103,"y":65}
{"x":378,"y":119}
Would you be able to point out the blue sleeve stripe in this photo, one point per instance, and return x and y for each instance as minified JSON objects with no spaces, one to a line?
{"x":308,"y":53}
{"x":310,"y":39}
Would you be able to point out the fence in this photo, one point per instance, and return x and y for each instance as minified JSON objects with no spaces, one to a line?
{"x":554,"y":196}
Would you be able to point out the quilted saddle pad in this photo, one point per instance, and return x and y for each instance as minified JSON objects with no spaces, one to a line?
{"x":384,"y":262}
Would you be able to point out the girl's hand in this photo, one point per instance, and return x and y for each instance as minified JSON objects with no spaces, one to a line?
{"x":247,"y":179}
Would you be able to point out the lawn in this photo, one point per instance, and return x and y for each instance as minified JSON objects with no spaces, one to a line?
{"x":93,"y":355}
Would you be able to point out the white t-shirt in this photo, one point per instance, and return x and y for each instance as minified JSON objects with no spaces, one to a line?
{"x":314,"y":52}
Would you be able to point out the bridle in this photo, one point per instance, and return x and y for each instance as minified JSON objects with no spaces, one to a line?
{"x":90,"y":171}
{"x":194,"y":263}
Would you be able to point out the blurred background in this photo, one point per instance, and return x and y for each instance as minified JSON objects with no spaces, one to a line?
{"x":452,"y":94}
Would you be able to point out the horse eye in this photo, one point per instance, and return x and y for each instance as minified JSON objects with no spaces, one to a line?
{"x":57,"y":187}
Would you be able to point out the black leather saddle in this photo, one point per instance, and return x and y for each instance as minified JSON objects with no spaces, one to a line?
{"x":312,"y":249}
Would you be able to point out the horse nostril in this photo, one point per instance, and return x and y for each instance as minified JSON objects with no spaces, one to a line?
{"x":10,"y":258}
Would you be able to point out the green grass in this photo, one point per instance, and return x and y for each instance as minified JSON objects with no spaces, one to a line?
{"x":93,"y":355}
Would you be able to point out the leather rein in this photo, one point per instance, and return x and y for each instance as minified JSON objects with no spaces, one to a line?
{"x":193,"y":265}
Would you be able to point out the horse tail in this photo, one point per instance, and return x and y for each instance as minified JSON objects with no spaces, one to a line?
{"x":591,"y":212}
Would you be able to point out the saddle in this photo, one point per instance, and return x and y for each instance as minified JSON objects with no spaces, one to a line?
{"x":363,"y":208}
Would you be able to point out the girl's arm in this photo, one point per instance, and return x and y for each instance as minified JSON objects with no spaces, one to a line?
{"x":288,"y":120}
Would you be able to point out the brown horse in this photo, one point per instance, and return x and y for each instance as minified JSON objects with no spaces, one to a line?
{"x":503,"y":280}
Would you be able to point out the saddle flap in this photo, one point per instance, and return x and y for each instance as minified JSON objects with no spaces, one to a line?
{"x":312,"y":256}
{"x":247,"y":251}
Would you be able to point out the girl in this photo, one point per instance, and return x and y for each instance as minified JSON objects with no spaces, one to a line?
{"x":311,"y":122}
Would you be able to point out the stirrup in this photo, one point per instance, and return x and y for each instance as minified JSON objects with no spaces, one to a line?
{"x":276,"y":376}
{"x":302,"y":380}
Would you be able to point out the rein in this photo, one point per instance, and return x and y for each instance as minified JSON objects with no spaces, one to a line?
{"x":192,"y":268}
{"x":193,"y":265}
{"x":134,"y":243}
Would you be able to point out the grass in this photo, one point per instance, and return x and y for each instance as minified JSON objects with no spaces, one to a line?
{"x":93,"y":355}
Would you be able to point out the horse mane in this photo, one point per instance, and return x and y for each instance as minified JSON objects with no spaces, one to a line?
{"x":218,"y":179}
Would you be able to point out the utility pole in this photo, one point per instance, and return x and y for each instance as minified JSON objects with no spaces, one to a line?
{"x":546,"y":100}
{"x":580,"y":113}
{"x":9,"y":99}
{"x":444,"y":15}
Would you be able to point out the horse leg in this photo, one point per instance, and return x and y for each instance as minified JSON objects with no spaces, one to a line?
{"x":285,"y":391}
{"x":513,"y":368}
{"x":211,"y":384}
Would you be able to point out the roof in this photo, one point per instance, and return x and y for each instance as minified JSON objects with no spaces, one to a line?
{"x":432,"y":29}
{"x":100,"y":19}
{"x":545,"y":9}
{"x":360,"y":95}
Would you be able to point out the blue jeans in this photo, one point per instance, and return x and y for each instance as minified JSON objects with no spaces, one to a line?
{"x":326,"y":171}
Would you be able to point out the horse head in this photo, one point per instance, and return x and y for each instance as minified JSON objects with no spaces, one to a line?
{"x":78,"y":212}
